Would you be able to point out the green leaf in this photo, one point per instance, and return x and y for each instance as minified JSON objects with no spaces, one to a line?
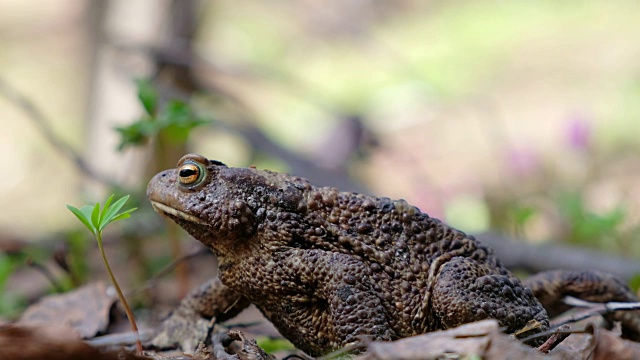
{"x":112,"y":211}
{"x":79,"y":261}
{"x":177,"y":120}
{"x":136,"y":133}
{"x":634,"y":283}
{"x":522,"y":214}
{"x":95,"y":216}
{"x":105,"y":208}
{"x":10,"y":304}
{"x":6,"y":269}
{"x":271,"y":345}
{"x":148,"y":96}
{"x":82,"y":217}
{"x":123,"y":215}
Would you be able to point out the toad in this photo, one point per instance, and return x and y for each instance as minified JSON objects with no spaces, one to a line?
{"x":330,"y":268}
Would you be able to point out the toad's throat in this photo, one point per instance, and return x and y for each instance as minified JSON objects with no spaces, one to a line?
{"x":164,"y":209}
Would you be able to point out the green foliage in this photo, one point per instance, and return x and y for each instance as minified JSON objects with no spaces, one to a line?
{"x":573,"y":222}
{"x":521,"y":214}
{"x":271,"y":345}
{"x":148,"y":96}
{"x":96,"y":220}
{"x":588,"y":227}
{"x":634,"y":283}
{"x":511,"y":214}
{"x":10,"y":304}
{"x":175,"y":120}
{"x":78,"y":265}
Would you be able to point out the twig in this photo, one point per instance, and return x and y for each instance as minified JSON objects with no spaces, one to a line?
{"x":517,"y":253}
{"x":562,"y":333}
{"x":166,"y":270}
{"x":42,"y":123}
{"x":604,"y":307}
{"x":119,"y":339}
{"x":594,"y":309}
{"x":553,"y":332}
{"x":47,"y":274}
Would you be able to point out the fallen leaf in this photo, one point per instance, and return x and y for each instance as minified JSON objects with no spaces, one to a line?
{"x":597,"y":344}
{"x":35,"y":343}
{"x":85,"y":310}
{"x":482,"y":339}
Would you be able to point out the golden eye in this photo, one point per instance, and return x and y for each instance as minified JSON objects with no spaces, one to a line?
{"x":190,"y":174}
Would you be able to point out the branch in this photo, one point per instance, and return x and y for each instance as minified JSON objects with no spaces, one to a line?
{"x":550,"y":256}
{"x":245,"y":123}
{"x":41,"y":122}
{"x":167,"y":269}
{"x":599,"y":308}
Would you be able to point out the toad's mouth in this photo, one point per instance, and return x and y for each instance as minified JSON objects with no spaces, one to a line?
{"x":167,"y":210}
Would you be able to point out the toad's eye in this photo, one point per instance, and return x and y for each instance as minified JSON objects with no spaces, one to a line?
{"x":191,"y":174}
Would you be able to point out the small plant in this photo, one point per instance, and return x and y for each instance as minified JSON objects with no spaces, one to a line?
{"x":174,"y":120}
{"x":272,"y":345}
{"x":10,"y":304}
{"x":96,"y":220}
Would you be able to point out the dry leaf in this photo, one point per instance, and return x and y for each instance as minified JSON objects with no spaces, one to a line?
{"x":85,"y":310}
{"x":35,"y":343}
{"x":483,"y":339}
{"x":597,"y":344}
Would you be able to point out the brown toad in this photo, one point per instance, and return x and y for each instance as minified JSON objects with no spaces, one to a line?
{"x":329,"y":268}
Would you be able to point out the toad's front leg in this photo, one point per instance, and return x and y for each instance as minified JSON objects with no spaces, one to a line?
{"x":189,"y":323}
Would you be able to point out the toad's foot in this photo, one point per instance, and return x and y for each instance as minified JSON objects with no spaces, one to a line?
{"x":182,"y":330}
{"x":223,"y":348}
{"x":190,"y":323}
{"x":550,"y":288}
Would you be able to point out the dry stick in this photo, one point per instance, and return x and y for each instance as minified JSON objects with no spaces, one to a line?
{"x":167,"y":269}
{"x":517,"y":253}
{"x":42,"y":123}
{"x":605,"y":307}
{"x":593,"y":310}
{"x":553,"y":332}
{"x":47,"y":274}
{"x":555,"y":339}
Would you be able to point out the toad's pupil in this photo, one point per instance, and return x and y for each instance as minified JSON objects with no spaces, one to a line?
{"x":187,"y":172}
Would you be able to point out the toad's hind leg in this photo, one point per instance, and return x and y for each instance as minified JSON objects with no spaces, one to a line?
{"x":467,"y":291}
{"x":550,"y":287}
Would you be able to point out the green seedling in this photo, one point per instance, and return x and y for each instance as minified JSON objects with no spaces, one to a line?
{"x":172,"y":120}
{"x":96,"y":220}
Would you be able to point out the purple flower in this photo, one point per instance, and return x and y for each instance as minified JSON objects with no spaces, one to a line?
{"x":522,"y":161}
{"x":578,"y":133}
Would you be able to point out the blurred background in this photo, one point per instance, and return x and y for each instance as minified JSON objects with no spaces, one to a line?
{"x":515,"y":117}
